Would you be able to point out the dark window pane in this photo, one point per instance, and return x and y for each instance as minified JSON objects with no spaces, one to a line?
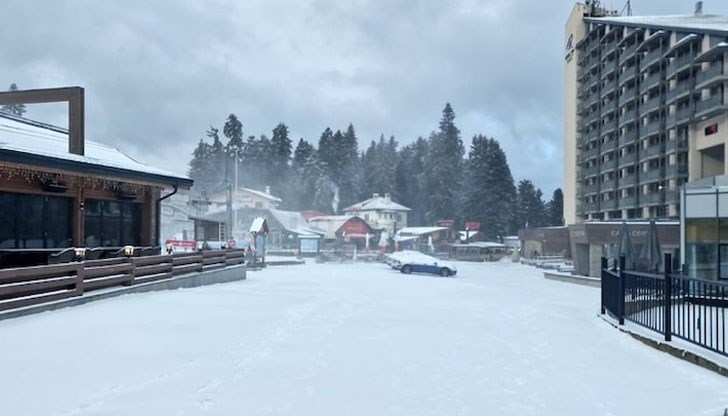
{"x":58,"y":222}
{"x":110,"y":223}
{"x":130,"y":224}
{"x":92,"y":223}
{"x":7,"y":225}
{"x":30,"y":227}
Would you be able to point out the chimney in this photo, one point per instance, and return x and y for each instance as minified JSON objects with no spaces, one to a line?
{"x":375,"y":195}
{"x":267,"y":189}
{"x":698,"y":8}
{"x":388,"y":197}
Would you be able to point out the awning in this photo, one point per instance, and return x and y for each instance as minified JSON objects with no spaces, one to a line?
{"x":682,"y":42}
{"x":711,"y":53}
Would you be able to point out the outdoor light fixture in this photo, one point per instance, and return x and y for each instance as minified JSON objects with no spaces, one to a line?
{"x":200,"y":245}
{"x":128,"y":251}
{"x":80,"y":253}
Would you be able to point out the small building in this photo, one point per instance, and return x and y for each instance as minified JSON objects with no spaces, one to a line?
{"x":346,"y":229}
{"x":545,"y":241}
{"x":287,"y":228}
{"x":590,"y":241}
{"x":704,"y":228}
{"x":58,"y":190}
{"x":478,"y":251}
{"x":381,"y":213}
{"x":425,"y":239}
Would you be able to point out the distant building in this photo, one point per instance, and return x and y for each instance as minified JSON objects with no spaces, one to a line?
{"x":346,"y":229}
{"x":381,"y":213}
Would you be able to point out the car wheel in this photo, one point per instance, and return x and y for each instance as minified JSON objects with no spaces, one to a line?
{"x":444,"y":272}
{"x":406,"y":270}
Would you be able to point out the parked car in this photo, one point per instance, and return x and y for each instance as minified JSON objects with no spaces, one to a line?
{"x":394,"y":260}
{"x":427,"y":264}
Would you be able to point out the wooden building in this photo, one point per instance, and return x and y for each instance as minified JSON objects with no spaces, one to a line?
{"x":58,"y":190}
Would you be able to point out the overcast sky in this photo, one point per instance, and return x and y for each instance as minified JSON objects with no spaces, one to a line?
{"x":157,"y":74}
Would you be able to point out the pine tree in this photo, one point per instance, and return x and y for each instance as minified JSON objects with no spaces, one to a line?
{"x":202,"y":169}
{"x":444,"y":170}
{"x":409,"y":173}
{"x":218,"y":169}
{"x":280,"y":158}
{"x":301,"y":194}
{"x":233,"y":130}
{"x":530,"y":209}
{"x":349,"y":181}
{"x":555,"y":208}
{"x":16,"y":109}
{"x":490,"y":193}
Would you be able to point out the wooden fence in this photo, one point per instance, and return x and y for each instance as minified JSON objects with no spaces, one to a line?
{"x":40,"y":284}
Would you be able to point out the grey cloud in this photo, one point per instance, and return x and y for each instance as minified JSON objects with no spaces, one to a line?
{"x":158,"y":74}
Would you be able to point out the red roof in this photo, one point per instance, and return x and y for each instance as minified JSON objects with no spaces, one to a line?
{"x":311,"y":213}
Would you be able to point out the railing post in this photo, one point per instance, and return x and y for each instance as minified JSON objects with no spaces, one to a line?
{"x":602,"y":275}
{"x":668,"y":297}
{"x":620,"y":291}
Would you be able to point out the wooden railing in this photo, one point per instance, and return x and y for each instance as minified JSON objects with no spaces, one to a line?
{"x":40,"y":284}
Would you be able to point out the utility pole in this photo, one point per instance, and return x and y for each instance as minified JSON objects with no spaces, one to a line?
{"x":235,"y":210}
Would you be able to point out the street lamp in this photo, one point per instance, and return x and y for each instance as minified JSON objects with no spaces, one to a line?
{"x":235,"y":152}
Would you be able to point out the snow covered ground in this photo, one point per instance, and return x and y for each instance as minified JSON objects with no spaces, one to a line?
{"x":350,"y":339}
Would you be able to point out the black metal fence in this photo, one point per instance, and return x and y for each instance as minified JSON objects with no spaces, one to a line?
{"x":671,"y":304}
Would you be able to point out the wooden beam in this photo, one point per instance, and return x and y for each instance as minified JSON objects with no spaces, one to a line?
{"x":74,"y":96}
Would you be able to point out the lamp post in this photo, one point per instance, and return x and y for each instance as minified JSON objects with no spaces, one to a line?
{"x":235,"y":152}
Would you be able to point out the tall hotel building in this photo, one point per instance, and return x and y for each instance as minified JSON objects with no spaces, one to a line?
{"x":645,"y":110}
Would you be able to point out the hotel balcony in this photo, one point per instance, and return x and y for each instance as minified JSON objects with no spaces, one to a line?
{"x":628,"y":181}
{"x":715,"y":73}
{"x":678,"y":64}
{"x":627,"y":160}
{"x":651,"y":81}
{"x":653,"y":104}
{"x":681,"y":116}
{"x":627,"y":96}
{"x":711,"y":106}
{"x":651,"y":57}
{"x":628,"y":52}
{"x":650,"y":176}
{"x":654,"y":198}
{"x":651,"y":151}
{"x":680,"y":89}
{"x":627,"y":202}
{"x":628,"y":138}
{"x":675,"y":171}
{"x":628,"y":74}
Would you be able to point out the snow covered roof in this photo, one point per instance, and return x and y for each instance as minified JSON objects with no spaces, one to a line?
{"x":262,"y":194}
{"x":259,"y":225}
{"x":335,"y":221}
{"x":482,"y":244}
{"x":377,"y":203}
{"x":294,"y":222}
{"x":416,"y":231}
{"x":700,"y":22}
{"x":27,"y":141}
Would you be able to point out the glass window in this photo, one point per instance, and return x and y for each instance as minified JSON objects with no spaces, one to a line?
{"x":35,"y":221}
{"x":30,"y":217}
{"x":112,"y":223}
{"x":701,"y":230}
{"x":59,"y":233}
{"x":7,"y":225}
